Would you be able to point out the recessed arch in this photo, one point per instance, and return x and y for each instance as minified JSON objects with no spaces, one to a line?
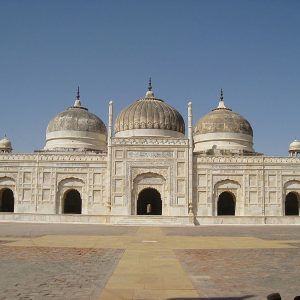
{"x":7,"y":200}
{"x":149,"y":175}
{"x":291,"y":207}
{"x":72,"y":202}
{"x":149,"y":202}
{"x":226,"y":204}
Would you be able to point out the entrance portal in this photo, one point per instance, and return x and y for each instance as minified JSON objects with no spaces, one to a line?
{"x":7,"y":200}
{"x":72,"y":202}
{"x":291,"y":204}
{"x":149,"y":202}
{"x":226,"y":204}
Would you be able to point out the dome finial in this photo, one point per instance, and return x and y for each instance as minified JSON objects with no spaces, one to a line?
{"x":149,"y":93}
{"x":77,"y":100}
{"x":221,"y":104}
{"x":78,"y":93}
{"x":150,"y":85}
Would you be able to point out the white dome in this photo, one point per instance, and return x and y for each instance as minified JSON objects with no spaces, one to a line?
{"x":76,"y":129}
{"x":5,"y":145}
{"x":294,"y":146}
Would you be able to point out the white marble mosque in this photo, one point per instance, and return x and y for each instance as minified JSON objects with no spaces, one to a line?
{"x":144,"y":169}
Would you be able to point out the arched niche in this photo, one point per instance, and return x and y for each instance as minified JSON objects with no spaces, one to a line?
{"x":7,"y":194}
{"x":151,"y":181}
{"x":67,"y":184}
{"x":291,"y":198}
{"x":230,"y":190}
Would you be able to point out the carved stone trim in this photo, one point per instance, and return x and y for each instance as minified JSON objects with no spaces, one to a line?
{"x":53,"y":157}
{"x":149,"y":141}
{"x":149,"y":154}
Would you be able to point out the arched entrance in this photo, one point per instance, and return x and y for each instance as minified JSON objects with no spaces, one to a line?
{"x":291,"y":204}
{"x":72,"y":202}
{"x":226,"y":204}
{"x":149,"y":202}
{"x":7,"y":200}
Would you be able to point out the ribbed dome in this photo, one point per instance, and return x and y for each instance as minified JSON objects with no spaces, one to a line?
{"x":223,"y":129}
{"x":5,"y":145}
{"x":76,"y":128}
{"x":149,"y":116}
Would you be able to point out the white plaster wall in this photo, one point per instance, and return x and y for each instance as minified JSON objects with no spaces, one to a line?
{"x":224,"y":141}
{"x":75,"y":139}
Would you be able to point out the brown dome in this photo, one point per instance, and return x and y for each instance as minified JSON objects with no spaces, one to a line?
{"x":78,"y":119}
{"x":222,"y":119}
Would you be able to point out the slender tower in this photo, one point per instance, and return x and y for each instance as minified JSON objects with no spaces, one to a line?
{"x":109,"y":154}
{"x":190,"y":161}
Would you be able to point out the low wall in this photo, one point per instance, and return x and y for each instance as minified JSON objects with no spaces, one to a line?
{"x":149,"y":220}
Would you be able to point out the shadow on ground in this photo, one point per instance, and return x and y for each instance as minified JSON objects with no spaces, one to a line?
{"x":215,"y":298}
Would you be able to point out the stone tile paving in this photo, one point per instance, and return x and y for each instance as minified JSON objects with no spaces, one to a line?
{"x":33,"y":230}
{"x":271,"y":232}
{"x":55,"y":273}
{"x":243,"y":274}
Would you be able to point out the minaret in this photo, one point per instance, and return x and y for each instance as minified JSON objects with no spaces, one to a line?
{"x":109,"y":155}
{"x":190,"y":160}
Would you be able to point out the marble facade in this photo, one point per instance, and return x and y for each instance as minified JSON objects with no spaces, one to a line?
{"x":189,"y":183}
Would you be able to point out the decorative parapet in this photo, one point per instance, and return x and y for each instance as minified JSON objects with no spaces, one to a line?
{"x":53,"y":157}
{"x":263,"y":160}
{"x":149,"y":141}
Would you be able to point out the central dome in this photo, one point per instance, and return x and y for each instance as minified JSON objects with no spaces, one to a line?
{"x":149,"y":116}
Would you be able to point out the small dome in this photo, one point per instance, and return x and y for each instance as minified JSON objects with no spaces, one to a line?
{"x":76,"y":128}
{"x":223,"y":119}
{"x":5,"y":145}
{"x":295,"y":146}
{"x":223,"y":129}
{"x":149,"y":116}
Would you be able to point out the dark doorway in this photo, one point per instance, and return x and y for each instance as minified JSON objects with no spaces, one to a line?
{"x":72,"y":202}
{"x":149,"y":202}
{"x":7,"y":200}
{"x":226,"y":204}
{"x":291,"y":204}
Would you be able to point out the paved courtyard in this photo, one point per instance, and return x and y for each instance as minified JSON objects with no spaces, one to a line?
{"x":43,"y":261}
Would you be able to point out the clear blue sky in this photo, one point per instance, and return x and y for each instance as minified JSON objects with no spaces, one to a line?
{"x":190,"y":48}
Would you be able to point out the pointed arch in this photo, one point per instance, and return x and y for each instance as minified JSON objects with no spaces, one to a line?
{"x":226,"y":195}
{"x":63,"y":202}
{"x":148,"y":188}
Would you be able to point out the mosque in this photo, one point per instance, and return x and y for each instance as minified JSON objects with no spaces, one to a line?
{"x":142,"y":168}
